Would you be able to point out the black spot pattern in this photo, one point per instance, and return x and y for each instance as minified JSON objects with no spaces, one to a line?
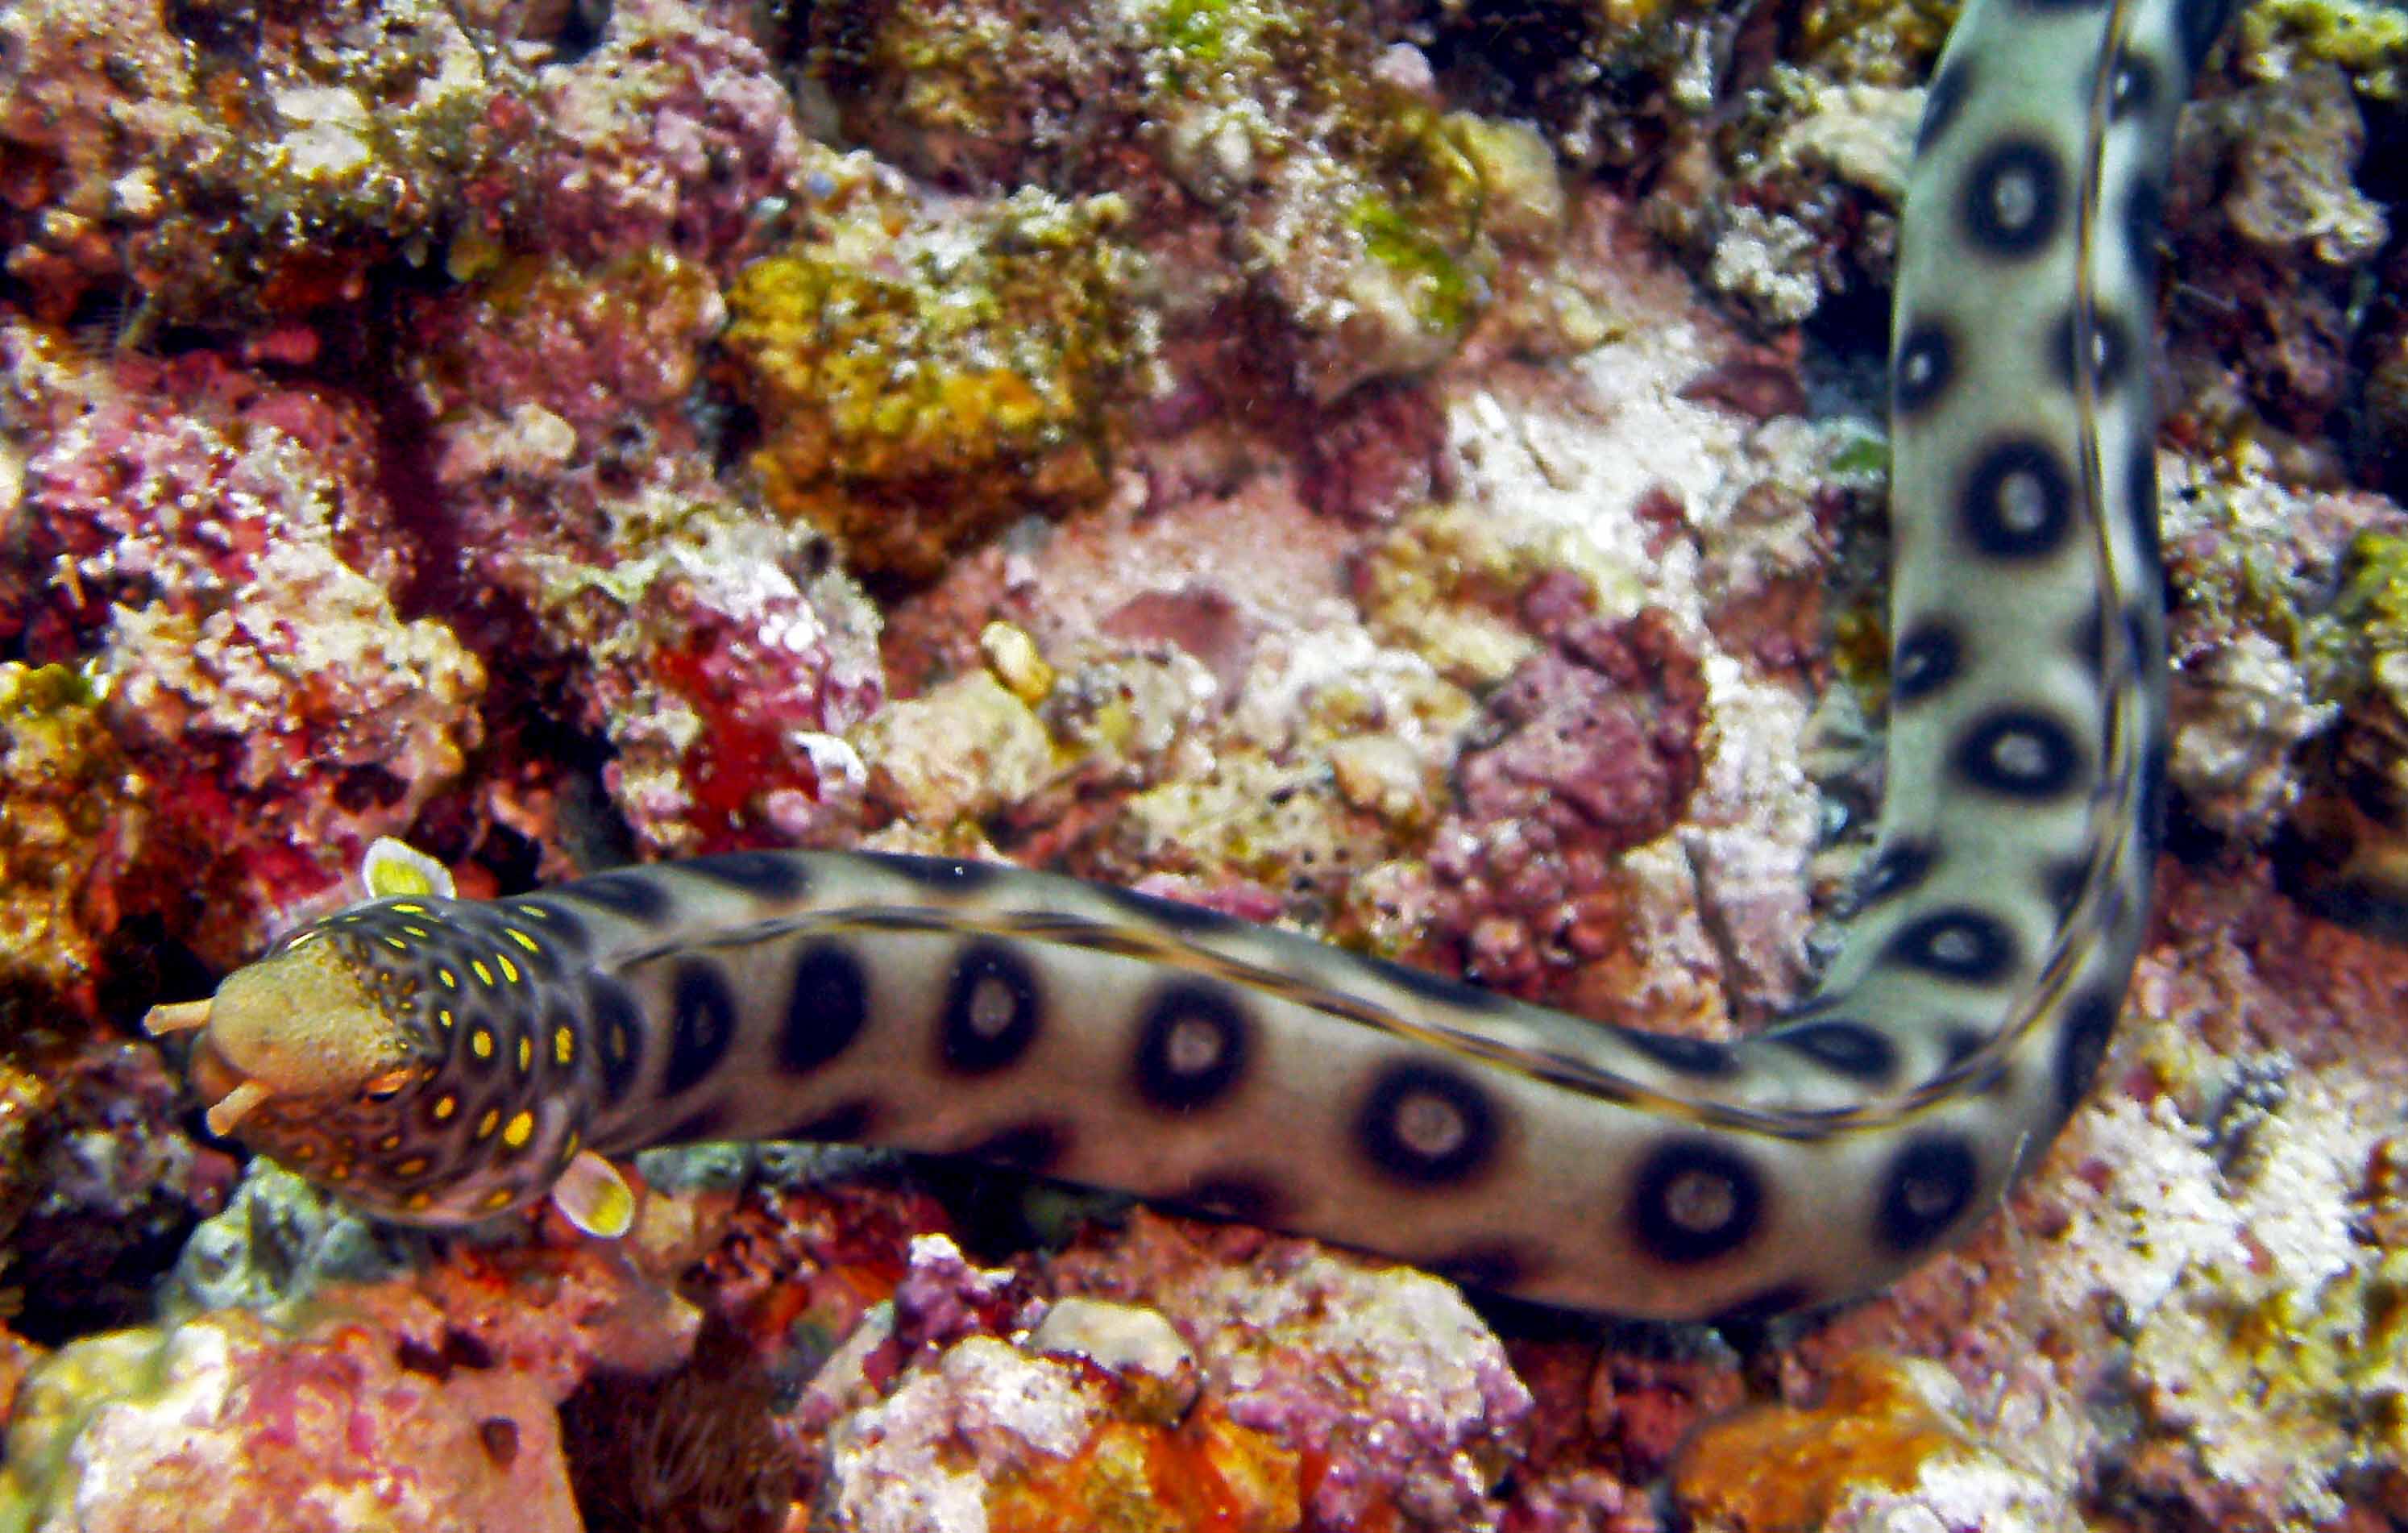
{"x":1842,"y":1047}
{"x":615,"y":1032}
{"x":2141,"y":504}
{"x":1781,"y":1299}
{"x":1425,"y":1126}
{"x":550,"y":922}
{"x":828,"y":1007}
{"x":1192,"y":1047}
{"x":2017,"y":501}
{"x":1958,"y":942}
{"x":2019,"y":753}
{"x":764,"y":875}
{"x":1925,"y":366}
{"x":1943,"y":101}
{"x":702,"y":1025}
{"x":1439,"y":988}
{"x":2111,"y":351}
{"x":2013,"y":198}
{"x":992,"y":1010}
{"x":1242,"y":1195}
{"x":1959,"y":1044}
{"x":1930,"y":656}
{"x":1035,"y":1147}
{"x":1927,"y":1187}
{"x":2200,"y":22}
{"x":2143,"y":207}
{"x":938,"y":875}
{"x":1899,"y":868}
{"x":634,"y":895}
{"x":2064,"y":885}
{"x":1699,"y":1058}
{"x":2132,"y":90}
{"x":1493,"y":1265}
{"x":843,"y":1124}
{"x":1176,"y":915}
{"x":2083,"y":1035}
{"x":1692,"y":1201}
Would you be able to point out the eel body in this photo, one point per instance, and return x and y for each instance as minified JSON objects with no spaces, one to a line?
{"x":439,"y":1061}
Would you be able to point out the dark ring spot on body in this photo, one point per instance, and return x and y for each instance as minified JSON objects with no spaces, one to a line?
{"x":2019,"y":753}
{"x":1242,"y":1195}
{"x":2141,"y":504}
{"x":1701,"y":1058}
{"x":1035,"y":1147}
{"x":1957,"y":943}
{"x":1426,"y":1124}
{"x":2084,"y":1033}
{"x":1192,"y":1047}
{"x":1845,"y":1047}
{"x":764,"y":875}
{"x":1176,"y":915}
{"x":1930,"y":1185}
{"x":1929,"y":656}
{"x":1440,"y":989}
{"x":2111,"y":352}
{"x":940,"y":875}
{"x":704,"y":1125}
{"x":2018,"y":501}
{"x":828,"y":1007}
{"x":615,"y":1030}
{"x":1764,"y":1304}
{"x":2087,"y":643}
{"x":991,"y":1011}
{"x":548,"y":921}
{"x":1924,"y":368}
{"x":1497,"y":1265}
{"x":1899,"y":866}
{"x":634,"y":895}
{"x":2065,"y":883}
{"x":1959,"y":1044}
{"x":843,"y":1124}
{"x":2145,"y":209}
{"x":2200,"y":22}
{"x":1943,"y":102}
{"x":1693,"y":1202}
{"x":2013,"y":198}
{"x":702,"y":1025}
{"x":2133,"y":87}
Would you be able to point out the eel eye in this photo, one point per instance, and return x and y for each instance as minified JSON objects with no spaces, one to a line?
{"x":385,"y":1087}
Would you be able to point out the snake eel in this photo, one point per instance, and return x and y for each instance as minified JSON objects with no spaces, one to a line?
{"x":437,"y":1061}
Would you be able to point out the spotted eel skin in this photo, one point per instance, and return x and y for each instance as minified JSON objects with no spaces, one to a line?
{"x":437,"y":1060}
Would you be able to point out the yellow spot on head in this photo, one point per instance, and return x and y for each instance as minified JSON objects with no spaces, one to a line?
{"x":416,"y":930}
{"x":396,"y":944}
{"x":498,"y":1199}
{"x":521,"y":1129}
{"x":526,"y":1054}
{"x":389,"y":1141}
{"x":414,"y":1165}
{"x":564,"y":1045}
{"x":406,"y":907}
{"x":481,"y":1044}
{"x":484,"y":975}
{"x":509,"y":970}
{"x":523,"y":940}
{"x":443,"y":1018}
{"x":447,"y":979}
{"x":418,"y":1202}
{"x":485,"y":1125}
{"x":445,"y":1105}
{"x":304,"y":1153}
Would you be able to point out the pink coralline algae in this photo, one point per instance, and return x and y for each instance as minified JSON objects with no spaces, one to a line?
{"x":221,"y":544}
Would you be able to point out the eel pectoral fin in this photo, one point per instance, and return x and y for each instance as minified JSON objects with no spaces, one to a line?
{"x":593,"y":1197}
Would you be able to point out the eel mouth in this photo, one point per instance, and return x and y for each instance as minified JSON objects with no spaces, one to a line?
{"x":227,"y":1095}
